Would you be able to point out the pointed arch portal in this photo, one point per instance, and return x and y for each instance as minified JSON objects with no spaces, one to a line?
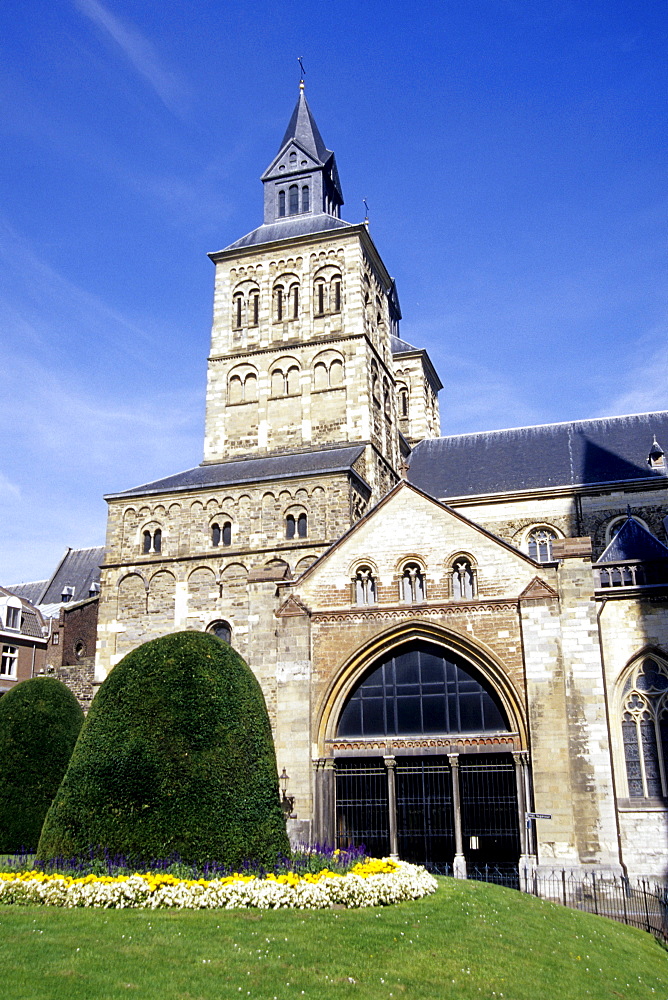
{"x":395,"y":787}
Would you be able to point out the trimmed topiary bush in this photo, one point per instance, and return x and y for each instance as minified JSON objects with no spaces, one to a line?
{"x":176,"y":758}
{"x":40,"y":720}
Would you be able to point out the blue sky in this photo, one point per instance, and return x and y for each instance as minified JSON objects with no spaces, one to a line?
{"x":512,"y":153}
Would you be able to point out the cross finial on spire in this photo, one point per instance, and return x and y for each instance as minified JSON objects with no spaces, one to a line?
{"x":301,"y":66}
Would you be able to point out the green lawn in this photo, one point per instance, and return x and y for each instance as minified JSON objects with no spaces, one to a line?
{"x":469,"y":940}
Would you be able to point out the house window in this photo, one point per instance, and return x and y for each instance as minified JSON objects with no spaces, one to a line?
{"x":645,"y":729}
{"x":412,"y":584}
{"x":306,"y":201}
{"x":281,"y":203}
{"x":293,"y":200}
{"x":13,"y":617}
{"x":302,"y":526}
{"x":10,"y":656}
{"x":539,"y":542}
{"x":463,"y":580}
{"x":55,"y":638}
{"x":365,"y":586}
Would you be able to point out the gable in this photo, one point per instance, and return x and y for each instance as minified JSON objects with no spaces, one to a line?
{"x":407,"y":526}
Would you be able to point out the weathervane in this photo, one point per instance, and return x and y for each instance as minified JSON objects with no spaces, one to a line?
{"x":301,"y":66}
{"x":366,"y":210}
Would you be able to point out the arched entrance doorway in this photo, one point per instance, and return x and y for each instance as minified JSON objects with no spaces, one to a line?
{"x":426,"y":763}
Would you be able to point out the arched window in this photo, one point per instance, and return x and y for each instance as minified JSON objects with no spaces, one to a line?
{"x":539,"y":544}
{"x":294,"y":301}
{"x":293,"y":200}
{"x":215,"y":534}
{"x":336,"y":373}
{"x":335,"y":295}
{"x":403,"y":402}
{"x":221,"y":630}
{"x":255,"y":309}
{"x":292,"y":381}
{"x":306,"y":201}
{"x":645,"y":729}
{"x":151,"y":541}
{"x":320,"y":376}
{"x":463,"y":580}
{"x":412,"y":584}
{"x":421,"y":689}
{"x":278,"y":303}
{"x":238,"y":311}
{"x":319,"y":298}
{"x":364,"y":586}
{"x":227,"y":533}
{"x":277,"y":382}
{"x":290,"y":526}
{"x":302,"y":526}
{"x":281,"y":203}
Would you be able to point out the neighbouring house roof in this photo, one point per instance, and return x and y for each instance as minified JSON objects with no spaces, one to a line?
{"x":28,"y":591}
{"x":79,"y":569}
{"x":580,"y":452}
{"x":251,"y":470}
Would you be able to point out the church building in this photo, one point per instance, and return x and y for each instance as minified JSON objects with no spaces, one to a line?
{"x":462,"y":640}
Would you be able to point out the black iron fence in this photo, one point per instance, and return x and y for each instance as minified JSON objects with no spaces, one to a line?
{"x":636,"y":902}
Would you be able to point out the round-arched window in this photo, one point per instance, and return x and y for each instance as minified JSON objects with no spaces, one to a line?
{"x":221,"y":630}
{"x":421,"y":689}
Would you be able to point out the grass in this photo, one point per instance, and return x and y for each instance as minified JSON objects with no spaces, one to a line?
{"x":468,"y":941}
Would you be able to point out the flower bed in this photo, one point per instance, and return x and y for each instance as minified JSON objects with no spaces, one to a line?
{"x":373,"y":882}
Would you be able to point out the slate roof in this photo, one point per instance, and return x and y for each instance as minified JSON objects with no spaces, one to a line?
{"x":582,"y":452}
{"x":285,"y":229}
{"x":79,"y":569}
{"x":398,"y":346}
{"x":303,"y":128}
{"x":28,"y":591}
{"x":251,"y":470}
{"x":634,"y":541}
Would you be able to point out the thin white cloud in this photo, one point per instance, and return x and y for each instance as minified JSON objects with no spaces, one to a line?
{"x":139,"y":51}
{"x":646,"y":386}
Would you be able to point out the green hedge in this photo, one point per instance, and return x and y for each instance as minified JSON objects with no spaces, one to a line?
{"x":176,"y":757}
{"x":40,"y":720}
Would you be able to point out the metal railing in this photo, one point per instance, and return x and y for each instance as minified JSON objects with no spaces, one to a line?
{"x":638,"y":903}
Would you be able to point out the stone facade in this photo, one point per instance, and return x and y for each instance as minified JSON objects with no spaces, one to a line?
{"x":298,"y":540}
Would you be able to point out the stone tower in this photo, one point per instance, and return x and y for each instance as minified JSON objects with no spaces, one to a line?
{"x":304,"y":316}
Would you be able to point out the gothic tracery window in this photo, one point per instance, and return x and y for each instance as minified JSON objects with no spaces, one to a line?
{"x":645,"y":729}
{"x":539,"y":544}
